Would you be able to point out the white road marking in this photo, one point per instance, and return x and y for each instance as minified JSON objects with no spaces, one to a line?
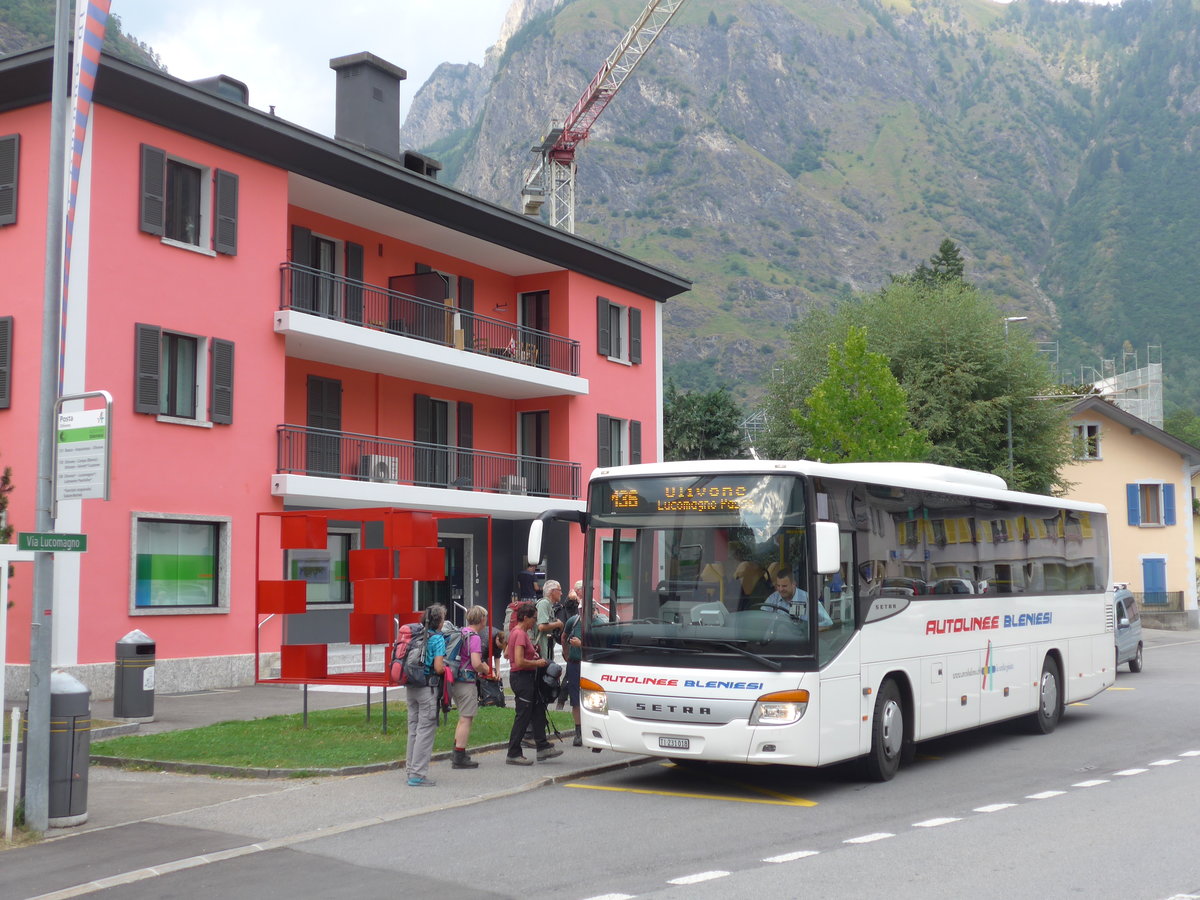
{"x":1044,"y":795}
{"x":934,"y":823}
{"x":790,"y":857}
{"x":869,"y":838}
{"x":1131,"y":772}
{"x":613,"y":897}
{"x":1190,"y":753}
{"x":698,"y":877}
{"x":1092,"y":783}
{"x":1164,"y":762}
{"x":993,"y":807}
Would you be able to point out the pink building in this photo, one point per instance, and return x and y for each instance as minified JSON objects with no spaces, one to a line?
{"x":287,"y":321}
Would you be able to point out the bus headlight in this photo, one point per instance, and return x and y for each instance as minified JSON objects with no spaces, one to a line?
{"x":592,"y":697}
{"x":780,"y":708}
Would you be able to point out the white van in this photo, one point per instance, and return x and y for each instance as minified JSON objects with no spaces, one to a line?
{"x":1129,"y":629}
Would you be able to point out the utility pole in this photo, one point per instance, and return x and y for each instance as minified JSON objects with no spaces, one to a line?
{"x":37,"y":748}
{"x":1008,"y":319}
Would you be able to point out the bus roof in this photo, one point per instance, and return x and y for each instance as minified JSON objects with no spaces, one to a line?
{"x":917,"y":476}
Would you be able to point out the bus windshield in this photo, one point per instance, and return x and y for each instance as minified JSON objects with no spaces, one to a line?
{"x":700,"y":570}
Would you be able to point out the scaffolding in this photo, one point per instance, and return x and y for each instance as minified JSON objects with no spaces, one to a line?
{"x":1134,"y":387}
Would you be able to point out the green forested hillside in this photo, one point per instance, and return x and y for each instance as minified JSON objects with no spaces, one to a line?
{"x":28,"y":23}
{"x":783,"y":153}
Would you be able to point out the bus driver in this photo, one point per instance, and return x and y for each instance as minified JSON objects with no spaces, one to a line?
{"x":793,"y":600}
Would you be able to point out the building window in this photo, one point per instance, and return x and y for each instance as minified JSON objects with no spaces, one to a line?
{"x":325,"y":572}
{"x":187,"y":204}
{"x":619,"y":331}
{"x":619,"y":441}
{"x":1150,"y":503}
{"x":1086,"y":440}
{"x":180,"y":563}
{"x":182,"y":376}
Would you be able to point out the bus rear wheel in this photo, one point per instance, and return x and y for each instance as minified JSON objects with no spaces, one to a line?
{"x":1050,"y":699}
{"x":887,"y":734}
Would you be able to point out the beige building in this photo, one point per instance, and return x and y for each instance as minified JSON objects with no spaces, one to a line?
{"x":1144,"y":476}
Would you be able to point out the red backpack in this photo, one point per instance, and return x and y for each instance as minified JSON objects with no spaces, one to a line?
{"x":408,"y":656}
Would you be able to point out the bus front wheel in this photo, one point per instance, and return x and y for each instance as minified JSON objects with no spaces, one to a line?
{"x":887,"y":734}
{"x":1050,"y":699}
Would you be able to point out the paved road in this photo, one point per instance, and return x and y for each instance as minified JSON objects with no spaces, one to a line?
{"x":1104,"y":807}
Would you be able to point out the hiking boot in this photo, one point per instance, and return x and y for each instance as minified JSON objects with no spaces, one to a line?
{"x":462,"y":761}
{"x":421,"y":781}
{"x":548,"y":753}
{"x":518,"y":761}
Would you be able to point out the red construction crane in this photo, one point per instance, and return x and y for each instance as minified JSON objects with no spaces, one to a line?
{"x":552,"y":175}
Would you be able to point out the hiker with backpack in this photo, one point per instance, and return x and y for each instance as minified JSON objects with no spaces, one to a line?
{"x":526,"y":666}
{"x":471,"y":665}
{"x":424,"y":694}
{"x":547,"y":622}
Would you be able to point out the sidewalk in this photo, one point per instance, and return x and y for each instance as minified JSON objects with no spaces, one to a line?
{"x":138,"y":820}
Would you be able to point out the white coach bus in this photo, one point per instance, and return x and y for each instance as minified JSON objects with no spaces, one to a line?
{"x":805,"y":613}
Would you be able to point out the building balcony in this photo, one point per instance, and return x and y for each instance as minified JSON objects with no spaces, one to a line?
{"x":342,"y":322}
{"x":319,"y":467}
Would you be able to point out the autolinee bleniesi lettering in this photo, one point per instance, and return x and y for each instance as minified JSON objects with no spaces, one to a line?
{"x":986,"y":623}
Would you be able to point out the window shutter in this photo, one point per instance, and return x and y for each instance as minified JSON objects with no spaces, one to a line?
{"x":154,"y":192}
{"x":466,"y":440}
{"x":225,"y":237}
{"x":603,"y":334}
{"x":10,"y":151}
{"x":603,"y":450}
{"x":466,"y":304}
{"x":422,"y":268}
{"x":1168,"y":504}
{"x":635,"y":335}
{"x":147,"y":363}
{"x":354,"y":292}
{"x":635,"y":442}
{"x":422,"y":411}
{"x":221,"y":375}
{"x":302,"y":282}
{"x":1133,"y":501}
{"x":6,"y":340}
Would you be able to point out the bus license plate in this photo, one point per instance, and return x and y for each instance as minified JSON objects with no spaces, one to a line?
{"x":673,"y":743}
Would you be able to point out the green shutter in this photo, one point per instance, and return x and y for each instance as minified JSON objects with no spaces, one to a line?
{"x":10,"y":151}
{"x":6,"y":343}
{"x":225,"y":236}
{"x":221,"y":377}
{"x":147,"y":365}
{"x":154,"y":190}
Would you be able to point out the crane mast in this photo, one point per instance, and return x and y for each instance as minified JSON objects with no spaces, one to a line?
{"x":551,"y":177}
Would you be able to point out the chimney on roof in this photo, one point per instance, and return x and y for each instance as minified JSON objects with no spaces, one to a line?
{"x":368,"y":103}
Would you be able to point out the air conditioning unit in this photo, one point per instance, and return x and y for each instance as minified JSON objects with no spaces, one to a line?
{"x":512,"y":484}
{"x":373,"y":467}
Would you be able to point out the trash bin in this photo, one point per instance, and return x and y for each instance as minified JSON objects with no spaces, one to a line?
{"x":70,"y":743}
{"x":133,"y":680}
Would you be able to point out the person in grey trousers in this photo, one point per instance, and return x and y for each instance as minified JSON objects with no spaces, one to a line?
{"x":423,"y":701}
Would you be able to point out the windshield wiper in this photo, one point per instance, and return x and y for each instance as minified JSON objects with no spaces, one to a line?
{"x":626,"y":648}
{"x":772,"y":664}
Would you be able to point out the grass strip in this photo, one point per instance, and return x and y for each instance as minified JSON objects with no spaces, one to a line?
{"x":334,"y":738}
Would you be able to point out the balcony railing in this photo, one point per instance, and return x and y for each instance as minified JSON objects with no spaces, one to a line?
{"x":1160,"y":601}
{"x":363,"y":457}
{"x":345,"y":300}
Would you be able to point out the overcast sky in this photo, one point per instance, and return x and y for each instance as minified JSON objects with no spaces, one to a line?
{"x":281,"y":48}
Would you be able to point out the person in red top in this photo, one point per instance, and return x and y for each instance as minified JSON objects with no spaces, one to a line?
{"x":531,"y":708}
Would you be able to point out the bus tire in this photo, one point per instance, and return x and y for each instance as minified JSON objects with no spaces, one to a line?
{"x":887,"y":734}
{"x":1135,"y":664}
{"x":1050,"y":699}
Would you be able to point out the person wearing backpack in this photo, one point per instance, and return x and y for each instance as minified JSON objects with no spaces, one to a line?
{"x":471,"y":665}
{"x":527,"y":664}
{"x":423,"y":700}
{"x":572,"y":645}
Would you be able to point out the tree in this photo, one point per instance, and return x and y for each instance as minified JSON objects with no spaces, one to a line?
{"x":946,"y":346}
{"x":701,"y":425}
{"x":859,"y":413}
{"x":946,"y":265}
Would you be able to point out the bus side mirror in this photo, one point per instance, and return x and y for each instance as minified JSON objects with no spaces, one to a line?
{"x":829,"y":547}
{"x":533,"y":552}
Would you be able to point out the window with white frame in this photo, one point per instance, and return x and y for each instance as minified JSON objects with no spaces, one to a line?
{"x":188,"y":204}
{"x":183,"y":377}
{"x":1086,"y":440}
{"x":618,"y":331}
{"x":180,"y":563}
{"x":618,"y":441}
{"x":1150,"y":503}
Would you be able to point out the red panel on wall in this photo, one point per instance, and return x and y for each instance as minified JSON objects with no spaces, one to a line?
{"x":411,"y":529}
{"x":370,"y":564}
{"x":369,"y":629}
{"x":303,"y":533}
{"x":373,"y":596}
{"x":304,"y":660}
{"x":423,"y":563}
{"x":281,"y":597}
{"x":409,"y":618}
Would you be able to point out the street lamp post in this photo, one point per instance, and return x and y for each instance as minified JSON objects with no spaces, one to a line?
{"x":1008,"y":319}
